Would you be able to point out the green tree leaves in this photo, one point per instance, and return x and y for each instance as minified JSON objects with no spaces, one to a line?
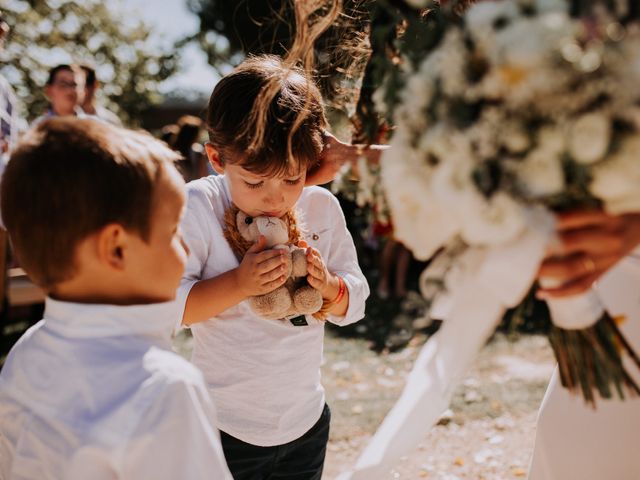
{"x":47,"y":32}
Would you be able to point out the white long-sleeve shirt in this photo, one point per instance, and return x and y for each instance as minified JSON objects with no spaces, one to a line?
{"x":264,"y":375}
{"x":94,"y":392}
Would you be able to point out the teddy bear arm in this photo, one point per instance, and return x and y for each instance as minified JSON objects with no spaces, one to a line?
{"x":299,"y":262}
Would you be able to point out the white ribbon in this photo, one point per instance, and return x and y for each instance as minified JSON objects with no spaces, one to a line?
{"x":495,"y":279}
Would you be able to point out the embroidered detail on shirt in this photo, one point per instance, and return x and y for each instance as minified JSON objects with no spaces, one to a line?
{"x":316,"y":235}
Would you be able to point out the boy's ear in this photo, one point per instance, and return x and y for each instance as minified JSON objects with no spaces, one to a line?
{"x":112,"y":243}
{"x":214,"y":158}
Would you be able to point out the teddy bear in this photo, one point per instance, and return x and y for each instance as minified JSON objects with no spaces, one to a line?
{"x":295,"y":297}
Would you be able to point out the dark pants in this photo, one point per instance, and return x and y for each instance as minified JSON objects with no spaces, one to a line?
{"x":300,"y":459}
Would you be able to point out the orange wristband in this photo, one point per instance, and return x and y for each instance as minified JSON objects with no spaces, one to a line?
{"x":341,"y":290}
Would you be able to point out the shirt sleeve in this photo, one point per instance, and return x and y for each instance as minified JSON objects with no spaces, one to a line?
{"x":194,"y":230}
{"x":343,"y":260}
{"x":176,"y":438}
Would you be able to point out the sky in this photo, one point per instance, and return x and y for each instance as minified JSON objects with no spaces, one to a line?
{"x":169,"y":21}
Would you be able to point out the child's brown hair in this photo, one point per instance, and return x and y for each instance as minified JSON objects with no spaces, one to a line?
{"x":70,"y":177}
{"x":231,"y":123}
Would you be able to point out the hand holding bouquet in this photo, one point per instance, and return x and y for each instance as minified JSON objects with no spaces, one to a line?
{"x":522,"y":107}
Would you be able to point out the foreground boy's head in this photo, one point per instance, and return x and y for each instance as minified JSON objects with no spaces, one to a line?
{"x":264,"y":178}
{"x":93,"y":212}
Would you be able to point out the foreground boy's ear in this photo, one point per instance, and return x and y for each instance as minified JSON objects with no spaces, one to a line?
{"x":111,"y":245}
{"x":214,"y":158}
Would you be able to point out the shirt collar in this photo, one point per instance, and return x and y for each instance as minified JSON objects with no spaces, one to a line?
{"x":87,"y":320}
{"x":78,"y":112}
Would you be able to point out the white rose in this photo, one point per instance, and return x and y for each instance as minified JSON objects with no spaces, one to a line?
{"x":454,"y":61}
{"x":491,"y":222}
{"x":552,"y":5}
{"x":589,"y":138}
{"x":417,"y":3}
{"x":366,"y":183}
{"x":515,"y":139}
{"x":520,"y":45}
{"x":418,"y":90}
{"x":419,"y":220}
{"x":551,"y":140}
{"x":379,"y":100}
{"x":483,"y":15}
{"x":615,"y":181}
{"x":482,"y":222}
{"x":540,"y":174}
{"x":444,"y":143}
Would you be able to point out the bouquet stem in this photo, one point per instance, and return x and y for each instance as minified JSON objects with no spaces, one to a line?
{"x":590,"y":360}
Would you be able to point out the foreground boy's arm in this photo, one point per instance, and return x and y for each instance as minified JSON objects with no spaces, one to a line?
{"x":180,"y":421}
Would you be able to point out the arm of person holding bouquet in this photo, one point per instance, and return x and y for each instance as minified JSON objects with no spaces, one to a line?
{"x":591,"y":242}
{"x":335,"y":154}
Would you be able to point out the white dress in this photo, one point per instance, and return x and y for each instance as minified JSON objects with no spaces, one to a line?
{"x":573,"y":441}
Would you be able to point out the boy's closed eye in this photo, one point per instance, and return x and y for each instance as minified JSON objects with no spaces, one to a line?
{"x":253,"y":185}
{"x":288,"y":181}
{"x":292,"y":181}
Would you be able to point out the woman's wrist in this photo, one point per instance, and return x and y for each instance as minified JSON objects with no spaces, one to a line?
{"x":371,"y":152}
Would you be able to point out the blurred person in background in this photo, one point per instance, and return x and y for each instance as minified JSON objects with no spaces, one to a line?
{"x":169,"y":133}
{"x":89,"y":105}
{"x":8,"y":108}
{"x":65,"y":92}
{"x":9,"y":122}
{"x":186,"y":141}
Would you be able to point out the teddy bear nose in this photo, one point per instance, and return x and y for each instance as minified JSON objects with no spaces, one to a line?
{"x":248,"y":220}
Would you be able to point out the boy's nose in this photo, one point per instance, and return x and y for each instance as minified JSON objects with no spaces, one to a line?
{"x":274,"y":198}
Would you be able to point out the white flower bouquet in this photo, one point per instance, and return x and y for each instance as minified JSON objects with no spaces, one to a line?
{"x":520,"y":111}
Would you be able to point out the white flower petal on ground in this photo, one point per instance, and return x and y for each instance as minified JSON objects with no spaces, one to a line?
{"x":589,"y":137}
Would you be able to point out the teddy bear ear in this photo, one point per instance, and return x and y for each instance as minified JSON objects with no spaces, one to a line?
{"x":246,"y":227}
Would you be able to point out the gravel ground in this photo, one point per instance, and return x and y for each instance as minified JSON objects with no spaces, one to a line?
{"x":487,"y":434}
